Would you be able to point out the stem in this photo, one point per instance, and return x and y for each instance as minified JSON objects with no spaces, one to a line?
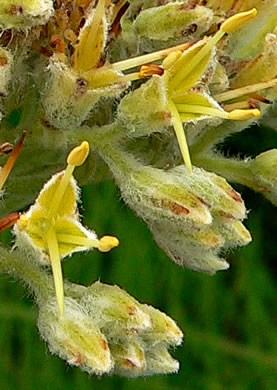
{"x":237,"y":171}
{"x":210,"y":136}
{"x":54,"y":254}
{"x":21,"y":266}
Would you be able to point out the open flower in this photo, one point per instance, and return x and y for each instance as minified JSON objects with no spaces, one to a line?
{"x":52,"y":226}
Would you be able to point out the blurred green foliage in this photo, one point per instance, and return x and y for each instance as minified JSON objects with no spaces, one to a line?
{"x":231,"y":340}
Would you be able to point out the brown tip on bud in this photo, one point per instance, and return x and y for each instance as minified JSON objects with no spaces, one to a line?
{"x":78,"y":155}
{"x":236,"y":21}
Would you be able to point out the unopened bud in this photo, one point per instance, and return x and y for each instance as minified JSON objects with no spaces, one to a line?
{"x":129,"y":360}
{"x":24,"y":13}
{"x":114,"y":304}
{"x":74,"y":337}
{"x":159,"y":361}
{"x":163,"y":329}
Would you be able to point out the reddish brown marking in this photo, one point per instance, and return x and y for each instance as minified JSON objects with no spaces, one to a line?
{"x":78,"y":359}
{"x":260,"y":98}
{"x":3,"y":61}
{"x":104,"y":344}
{"x":16,"y":10}
{"x":9,"y":221}
{"x":235,"y":195}
{"x":129,"y":363}
{"x":131,"y":310}
{"x":175,"y":207}
{"x":57,"y":43}
{"x":203,"y":201}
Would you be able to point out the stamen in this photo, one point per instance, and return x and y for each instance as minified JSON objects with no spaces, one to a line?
{"x":55,"y":259}
{"x":233,"y":115}
{"x":77,"y":240}
{"x":188,"y":108}
{"x":247,"y":90}
{"x":11,"y":161}
{"x":180,"y":134}
{"x":151,"y":57}
{"x":106,"y":243}
{"x":244,"y":114}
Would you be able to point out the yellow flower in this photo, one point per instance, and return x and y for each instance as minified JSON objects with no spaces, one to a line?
{"x":52,"y":224}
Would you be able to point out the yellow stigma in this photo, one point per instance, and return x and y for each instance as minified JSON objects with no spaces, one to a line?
{"x":238,"y":20}
{"x":107,"y":243}
{"x":243,"y":114}
{"x":78,"y":155}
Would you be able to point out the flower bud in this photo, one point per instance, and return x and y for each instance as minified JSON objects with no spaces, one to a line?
{"x":114,"y":304}
{"x":133,"y":330}
{"x":261,"y":68}
{"x":156,"y":195}
{"x":173,"y":21}
{"x":128,"y":360}
{"x":163,"y":328}
{"x":24,"y":13}
{"x":192,"y":216}
{"x":159,"y":361}
{"x":72,"y":94}
{"x":74,"y":337}
{"x":264,"y":168}
{"x":6,"y":60}
{"x":151,"y":100}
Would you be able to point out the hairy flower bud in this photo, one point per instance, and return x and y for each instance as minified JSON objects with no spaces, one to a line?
{"x":133,"y":331}
{"x":192,"y":216}
{"x":6,"y":60}
{"x":24,"y":13}
{"x":71,"y":94}
{"x":173,"y":21}
{"x":74,"y":337}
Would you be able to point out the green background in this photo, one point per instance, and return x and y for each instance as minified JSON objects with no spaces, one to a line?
{"x":229,"y":319}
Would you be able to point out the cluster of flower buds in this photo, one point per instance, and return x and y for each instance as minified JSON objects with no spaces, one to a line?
{"x":107,"y":331}
{"x":193,"y":217}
